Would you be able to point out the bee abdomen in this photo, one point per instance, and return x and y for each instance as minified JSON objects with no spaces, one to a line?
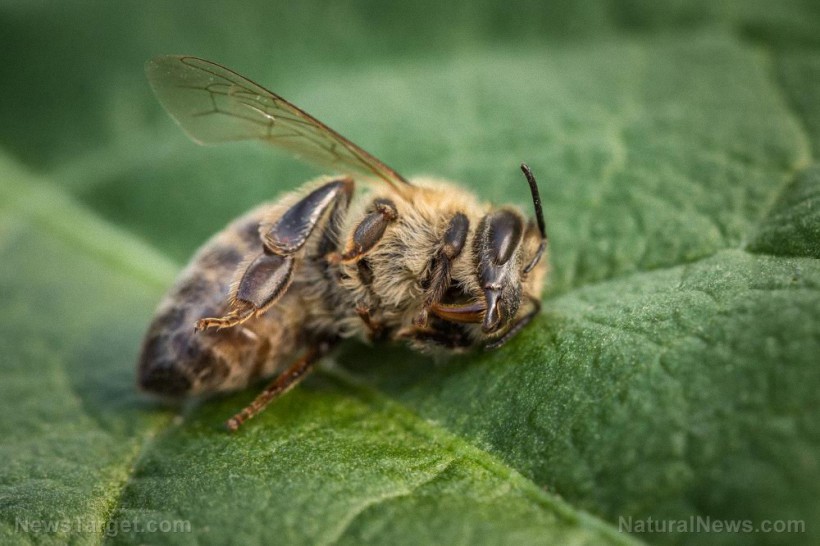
{"x":175,"y":360}
{"x":158,"y":369}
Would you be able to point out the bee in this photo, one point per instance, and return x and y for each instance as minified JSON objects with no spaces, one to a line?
{"x":377,"y":257}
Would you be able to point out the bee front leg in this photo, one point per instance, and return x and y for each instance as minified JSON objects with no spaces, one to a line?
{"x":441,"y":263}
{"x":268,"y":275}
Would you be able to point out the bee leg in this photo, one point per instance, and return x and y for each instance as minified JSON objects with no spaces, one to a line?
{"x":368,"y":232}
{"x":375,"y":328}
{"x":239,"y":313}
{"x":516,"y":326}
{"x":266,"y":278}
{"x":279,"y":386}
{"x":292,"y":230}
{"x":269,"y":274}
{"x":440,"y":265}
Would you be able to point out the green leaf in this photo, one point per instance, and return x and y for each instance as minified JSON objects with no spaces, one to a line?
{"x":337,"y":462}
{"x":792,"y":227}
{"x":672,"y":374}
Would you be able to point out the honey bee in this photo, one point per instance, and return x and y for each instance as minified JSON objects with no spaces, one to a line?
{"x":418,"y":260}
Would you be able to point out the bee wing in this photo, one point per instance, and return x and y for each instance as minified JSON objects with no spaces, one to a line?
{"x":213,"y":104}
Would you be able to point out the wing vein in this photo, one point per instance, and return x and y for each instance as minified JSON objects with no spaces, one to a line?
{"x":243,"y":110}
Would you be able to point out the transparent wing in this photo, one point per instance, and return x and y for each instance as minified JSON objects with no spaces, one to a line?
{"x":214,"y":104}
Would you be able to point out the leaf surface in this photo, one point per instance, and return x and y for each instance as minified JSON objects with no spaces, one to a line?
{"x":671,"y":375}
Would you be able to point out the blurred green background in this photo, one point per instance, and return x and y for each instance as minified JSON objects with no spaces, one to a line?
{"x":393,"y":78}
{"x":672,"y":375}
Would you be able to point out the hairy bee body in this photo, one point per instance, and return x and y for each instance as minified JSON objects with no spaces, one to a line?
{"x":378,"y":257}
{"x":323,"y":302}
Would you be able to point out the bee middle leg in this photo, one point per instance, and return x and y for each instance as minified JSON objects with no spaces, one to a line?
{"x":368,"y":233}
{"x":266,"y":278}
{"x":366,"y":236}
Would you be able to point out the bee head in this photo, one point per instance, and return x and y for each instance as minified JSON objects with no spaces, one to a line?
{"x":506,"y":248}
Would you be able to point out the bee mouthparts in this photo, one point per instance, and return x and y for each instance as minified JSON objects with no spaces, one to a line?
{"x":470,"y":313}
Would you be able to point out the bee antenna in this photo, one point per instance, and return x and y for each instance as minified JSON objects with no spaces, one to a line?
{"x":536,"y":200}
{"x":539,"y":217}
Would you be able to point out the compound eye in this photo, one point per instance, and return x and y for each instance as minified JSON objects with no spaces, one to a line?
{"x":503,"y":232}
{"x":498,"y":238}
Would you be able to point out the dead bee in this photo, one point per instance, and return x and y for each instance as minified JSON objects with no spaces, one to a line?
{"x":419,"y":260}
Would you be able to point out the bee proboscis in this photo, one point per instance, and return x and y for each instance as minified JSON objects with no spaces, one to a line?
{"x":419,"y":260}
